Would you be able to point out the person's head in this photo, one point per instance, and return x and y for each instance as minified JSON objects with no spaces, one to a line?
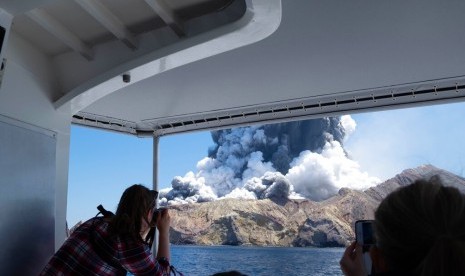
{"x":420,"y":229}
{"x":134,"y":211}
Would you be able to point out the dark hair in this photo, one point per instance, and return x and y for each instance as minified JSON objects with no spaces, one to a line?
{"x":133,"y":206}
{"x":420,"y":229}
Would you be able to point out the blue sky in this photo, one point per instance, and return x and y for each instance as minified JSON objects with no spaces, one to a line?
{"x":387,"y":142}
{"x":103,"y":164}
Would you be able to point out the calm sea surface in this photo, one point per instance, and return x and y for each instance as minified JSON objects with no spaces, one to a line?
{"x":269,"y":261}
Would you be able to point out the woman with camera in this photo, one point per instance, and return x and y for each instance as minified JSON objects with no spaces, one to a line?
{"x":117,"y":244}
{"x":419,"y":231}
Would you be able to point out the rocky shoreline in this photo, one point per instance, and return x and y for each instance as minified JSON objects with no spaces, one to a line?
{"x":291,"y":222}
{"x":288,"y":222}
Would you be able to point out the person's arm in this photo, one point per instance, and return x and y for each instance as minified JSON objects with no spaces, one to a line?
{"x":163,"y":226}
{"x":136,"y":257}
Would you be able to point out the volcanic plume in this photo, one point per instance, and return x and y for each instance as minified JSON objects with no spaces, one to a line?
{"x":302,"y":159}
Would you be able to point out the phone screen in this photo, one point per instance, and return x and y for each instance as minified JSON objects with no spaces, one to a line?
{"x":364,"y":232}
{"x":364,"y":236}
{"x":368,"y":233}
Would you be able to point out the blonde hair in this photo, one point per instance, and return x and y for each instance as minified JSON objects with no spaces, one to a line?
{"x":420,"y":229}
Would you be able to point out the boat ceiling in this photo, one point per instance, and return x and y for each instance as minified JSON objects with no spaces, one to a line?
{"x":158,"y":67}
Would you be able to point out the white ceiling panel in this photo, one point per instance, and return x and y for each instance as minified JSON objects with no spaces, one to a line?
{"x":321,"y":49}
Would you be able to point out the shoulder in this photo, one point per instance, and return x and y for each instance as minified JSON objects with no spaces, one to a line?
{"x":94,"y":228}
{"x":89,"y":224}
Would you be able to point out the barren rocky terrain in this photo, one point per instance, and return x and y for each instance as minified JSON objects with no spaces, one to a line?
{"x":289,"y":222}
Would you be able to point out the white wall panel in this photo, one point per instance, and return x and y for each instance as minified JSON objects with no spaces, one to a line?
{"x":27,"y":198}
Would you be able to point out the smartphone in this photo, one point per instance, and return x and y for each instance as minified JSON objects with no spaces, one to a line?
{"x":364,"y":232}
{"x":365,"y":237}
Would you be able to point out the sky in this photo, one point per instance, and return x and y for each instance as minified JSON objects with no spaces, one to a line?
{"x":382,"y":144}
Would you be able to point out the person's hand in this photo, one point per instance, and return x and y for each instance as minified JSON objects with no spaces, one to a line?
{"x":352,"y":261}
{"x":163,"y":225}
{"x":163,"y":221}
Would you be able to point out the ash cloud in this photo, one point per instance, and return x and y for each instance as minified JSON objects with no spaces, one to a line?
{"x":304,"y":159}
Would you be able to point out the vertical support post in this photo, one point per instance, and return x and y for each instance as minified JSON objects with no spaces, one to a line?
{"x":156,"y":139}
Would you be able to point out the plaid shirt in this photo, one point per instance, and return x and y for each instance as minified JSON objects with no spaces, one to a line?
{"x":91,"y":251}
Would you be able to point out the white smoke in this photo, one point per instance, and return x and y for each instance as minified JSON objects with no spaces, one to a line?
{"x":237,"y":167}
{"x":348,"y":124}
{"x":318,"y":176}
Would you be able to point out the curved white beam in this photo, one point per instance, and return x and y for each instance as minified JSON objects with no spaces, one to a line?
{"x":61,"y":32}
{"x":167,"y":15}
{"x":260,"y":20}
{"x":109,"y":21}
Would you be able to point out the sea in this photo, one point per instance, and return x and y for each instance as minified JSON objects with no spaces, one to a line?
{"x":256,"y":261}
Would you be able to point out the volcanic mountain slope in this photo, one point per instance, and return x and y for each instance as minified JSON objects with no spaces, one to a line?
{"x":268,"y":223}
{"x":408,"y":176}
{"x":289,"y":222}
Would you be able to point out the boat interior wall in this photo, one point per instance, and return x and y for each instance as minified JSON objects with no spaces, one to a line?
{"x":5,"y":26}
{"x":26,"y":97}
{"x":28,"y":87}
{"x":27,"y":197}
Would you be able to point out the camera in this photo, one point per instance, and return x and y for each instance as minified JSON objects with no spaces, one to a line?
{"x":364,"y":236}
{"x":156,"y":213}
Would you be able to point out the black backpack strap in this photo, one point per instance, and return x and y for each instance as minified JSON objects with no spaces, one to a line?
{"x":104,"y":212}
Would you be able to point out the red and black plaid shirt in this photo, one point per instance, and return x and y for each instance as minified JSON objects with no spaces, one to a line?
{"x":91,"y":251}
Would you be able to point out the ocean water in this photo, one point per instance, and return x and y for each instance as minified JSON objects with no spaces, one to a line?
{"x":256,"y":261}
